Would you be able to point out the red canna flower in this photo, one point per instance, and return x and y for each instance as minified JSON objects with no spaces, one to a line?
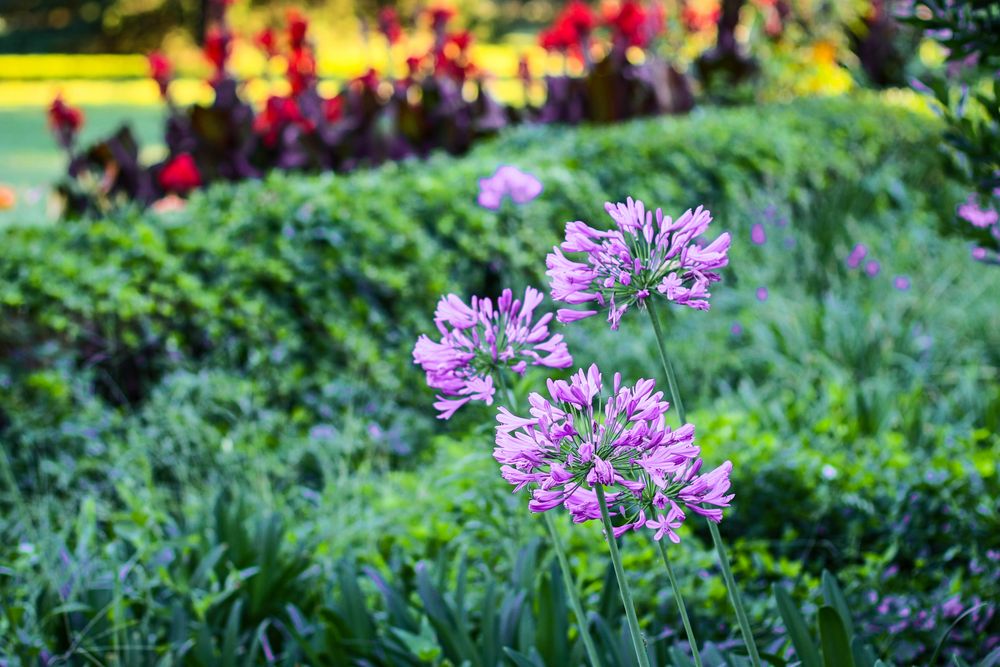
{"x":577,"y":17}
{"x":388,"y":24}
{"x":65,"y":121}
{"x":333,"y":108}
{"x":301,"y":70}
{"x":461,"y":39}
{"x":217,"y":44}
{"x":629,"y":24}
{"x":180,"y":174}
{"x":160,"y":71}
{"x":298,"y":25}
{"x":267,"y":41}
{"x":440,"y":15}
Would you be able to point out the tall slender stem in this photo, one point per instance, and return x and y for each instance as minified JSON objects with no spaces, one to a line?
{"x":568,"y":582}
{"x":720,"y":549}
{"x":571,"y":591}
{"x":626,"y":592}
{"x":692,"y":642}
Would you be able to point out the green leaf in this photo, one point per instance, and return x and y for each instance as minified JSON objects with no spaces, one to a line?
{"x":798,"y":632}
{"x":835,"y":598}
{"x":833,"y":637}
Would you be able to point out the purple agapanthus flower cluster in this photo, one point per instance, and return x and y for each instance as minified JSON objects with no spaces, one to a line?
{"x":575,"y":440}
{"x":511,"y":182}
{"x":644,"y":255}
{"x":479,"y":341}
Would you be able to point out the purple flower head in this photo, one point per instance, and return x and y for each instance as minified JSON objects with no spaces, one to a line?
{"x":511,"y":182}
{"x":976,"y":216}
{"x":858,"y":254}
{"x":757,"y":234}
{"x":645,"y":255}
{"x":872,"y":267}
{"x":902,"y":283}
{"x":480,"y":341}
{"x":575,"y":439}
{"x":762,"y":294}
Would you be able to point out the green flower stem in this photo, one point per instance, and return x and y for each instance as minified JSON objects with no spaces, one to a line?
{"x":567,"y":572}
{"x":571,"y":591}
{"x":616,"y":560}
{"x":720,"y":549}
{"x":692,"y":642}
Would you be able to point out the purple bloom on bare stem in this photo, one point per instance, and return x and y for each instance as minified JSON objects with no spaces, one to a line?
{"x":575,"y":439}
{"x":644,"y":255}
{"x":480,"y":341}
{"x":511,"y":182}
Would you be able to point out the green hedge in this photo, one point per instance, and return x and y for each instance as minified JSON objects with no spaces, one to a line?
{"x":300,"y":281}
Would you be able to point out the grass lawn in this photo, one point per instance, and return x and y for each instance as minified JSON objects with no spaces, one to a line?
{"x":30,"y":160}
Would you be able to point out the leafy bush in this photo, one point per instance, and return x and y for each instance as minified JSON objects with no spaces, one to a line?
{"x":217,"y":451}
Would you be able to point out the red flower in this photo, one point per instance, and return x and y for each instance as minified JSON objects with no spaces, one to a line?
{"x":388,"y":24}
{"x":278,"y":113}
{"x":65,"y":121}
{"x":160,"y":70}
{"x":368,"y":80}
{"x":440,"y":16}
{"x":630,"y":24}
{"x":267,"y":41}
{"x":333,"y":108}
{"x":413,"y":64}
{"x":217,"y":44}
{"x":180,"y":175}
{"x":461,"y":39}
{"x":576,"y":16}
{"x":297,"y":27}
{"x":560,"y":37}
{"x":301,"y":70}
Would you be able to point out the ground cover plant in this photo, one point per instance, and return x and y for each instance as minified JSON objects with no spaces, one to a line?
{"x":218,"y":450}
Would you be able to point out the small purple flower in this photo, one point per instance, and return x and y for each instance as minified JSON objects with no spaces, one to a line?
{"x":902,"y":283}
{"x":639,"y":259}
{"x":979,"y":253}
{"x":567,"y":446}
{"x":511,"y":182}
{"x":976,"y":216}
{"x":872,"y":267}
{"x":736,"y":329}
{"x":858,"y":254}
{"x":480,"y":341}
{"x":757,"y":234}
{"x":762,"y":294}
{"x":952,"y":607}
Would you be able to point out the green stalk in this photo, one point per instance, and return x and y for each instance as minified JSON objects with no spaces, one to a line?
{"x":616,"y":561}
{"x":692,"y":642}
{"x":567,"y":573}
{"x":571,"y":591}
{"x":720,"y":549}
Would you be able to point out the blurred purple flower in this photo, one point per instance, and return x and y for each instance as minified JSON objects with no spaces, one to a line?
{"x":976,"y":216}
{"x":858,"y":254}
{"x":736,"y":329}
{"x":872,"y":267}
{"x":757,"y":235}
{"x":511,"y":182}
{"x":480,"y":341}
{"x":566,"y":447}
{"x":762,"y":294}
{"x":902,"y":283}
{"x":637,"y":259}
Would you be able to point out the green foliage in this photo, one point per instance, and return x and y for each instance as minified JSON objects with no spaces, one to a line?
{"x":217,"y":451}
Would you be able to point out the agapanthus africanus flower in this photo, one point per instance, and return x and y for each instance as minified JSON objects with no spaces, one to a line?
{"x":645,"y":255}
{"x":575,"y":440}
{"x":480,"y":341}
